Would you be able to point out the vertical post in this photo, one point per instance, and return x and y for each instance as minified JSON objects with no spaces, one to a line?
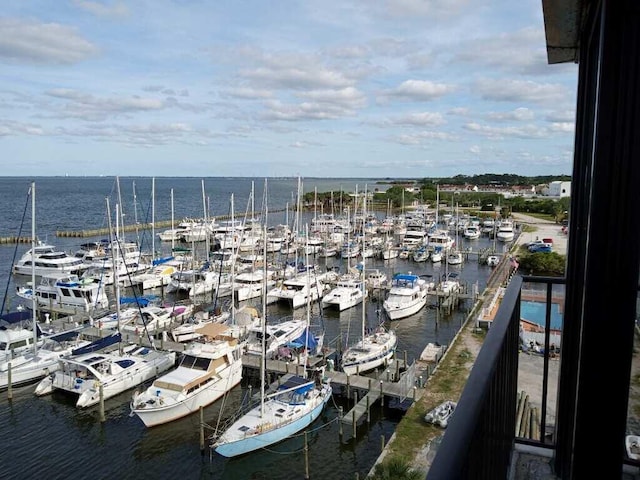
{"x":382,"y":443}
{"x":101,"y":392}
{"x":340,"y":422}
{"x":202,"y":431}
{"x":353,"y":415}
{"x":348,"y":390}
{"x":368,"y":412}
{"x":9,"y":389}
{"x":397,"y":377}
{"x":381,"y":395}
{"x":306,"y":457}
{"x":405,"y":359}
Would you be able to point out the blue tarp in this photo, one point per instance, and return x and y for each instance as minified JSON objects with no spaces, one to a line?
{"x":142,"y":301}
{"x":16,"y":317}
{"x":98,"y":344}
{"x":160,"y":261}
{"x":307,"y":338}
{"x":304,"y":383}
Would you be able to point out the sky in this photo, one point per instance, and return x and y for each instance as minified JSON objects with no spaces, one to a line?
{"x":314,"y":88}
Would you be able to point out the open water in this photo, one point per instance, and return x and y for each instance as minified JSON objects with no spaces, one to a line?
{"x":49,"y":438}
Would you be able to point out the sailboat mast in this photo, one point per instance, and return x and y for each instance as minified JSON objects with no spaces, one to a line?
{"x":113,"y":241}
{"x":364,"y":256}
{"x":173,"y":237}
{"x":263,"y":360}
{"x":153,"y":218}
{"x":33,"y":266}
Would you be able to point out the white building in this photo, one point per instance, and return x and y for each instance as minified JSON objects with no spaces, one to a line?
{"x":559,"y":189}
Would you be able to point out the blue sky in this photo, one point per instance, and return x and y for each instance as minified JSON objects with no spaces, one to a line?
{"x":348,"y":88}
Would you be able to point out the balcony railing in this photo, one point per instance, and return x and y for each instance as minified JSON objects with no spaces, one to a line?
{"x":481,"y":436}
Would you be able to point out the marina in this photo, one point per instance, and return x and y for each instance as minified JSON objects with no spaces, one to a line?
{"x":346,"y":438}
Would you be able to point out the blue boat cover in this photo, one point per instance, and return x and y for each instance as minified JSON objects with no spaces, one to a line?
{"x":160,"y":261}
{"x":407,"y":277}
{"x":98,"y":344}
{"x":307,"y":338}
{"x":304,"y":384}
{"x":16,"y":317}
{"x":142,"y":301}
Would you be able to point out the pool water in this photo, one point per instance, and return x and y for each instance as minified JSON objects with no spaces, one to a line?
{"x":536,"y":311}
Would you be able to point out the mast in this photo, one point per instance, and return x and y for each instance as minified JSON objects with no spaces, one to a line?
{"x":173,"y":237}
{"x":116,"y":283}
{"x":264,"y":334}
{"x":153,"y":218}
{"x":33,"y":267}
{"x":364,"y":212}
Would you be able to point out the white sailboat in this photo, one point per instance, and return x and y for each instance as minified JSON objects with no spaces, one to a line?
{"x":294,"y":406}
{"x":373,"y":349}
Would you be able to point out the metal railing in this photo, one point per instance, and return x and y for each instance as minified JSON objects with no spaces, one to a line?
{"x":480,"y":438}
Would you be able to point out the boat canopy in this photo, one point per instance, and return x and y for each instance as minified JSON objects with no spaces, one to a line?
{"x":16,"y":317}
{"x":97,"y":344}
{"x":300,"y":385}
{"x":307,"y":338}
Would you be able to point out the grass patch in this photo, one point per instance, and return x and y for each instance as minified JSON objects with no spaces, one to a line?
{"x":446,"y":383}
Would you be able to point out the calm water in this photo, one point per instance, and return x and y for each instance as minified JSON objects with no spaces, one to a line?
{"x":49,"y":437}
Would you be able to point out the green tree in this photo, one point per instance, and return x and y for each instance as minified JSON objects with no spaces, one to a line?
{"x":542,"y":263}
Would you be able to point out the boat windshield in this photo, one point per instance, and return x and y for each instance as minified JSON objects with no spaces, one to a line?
{"x":196,"y":363}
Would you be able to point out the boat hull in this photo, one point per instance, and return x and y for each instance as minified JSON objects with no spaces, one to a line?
{"x":160,"y":414}
{"x":396,"y":312}
{"x":261,"y":440}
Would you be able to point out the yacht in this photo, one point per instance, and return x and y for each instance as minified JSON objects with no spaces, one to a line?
{"x":65,"y":295}
{"x":249,"y":285}
{"x":408,"y":295}
{"x":298,"y":290}
{"x":505,"y":231}
{"x":276,"y":335}
{"x":348,"y":292}
{"x":206,"y":372}
{"x":45,"y":259}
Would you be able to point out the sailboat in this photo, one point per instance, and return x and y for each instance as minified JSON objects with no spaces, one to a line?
{"x":374,"y":348}
{"x":292,"y":407}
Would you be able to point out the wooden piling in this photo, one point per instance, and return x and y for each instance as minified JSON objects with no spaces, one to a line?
{"x":102,"y":416}
{"x":9,"y":387}
{"x":306,"y":457}
{"x":202,"y":431}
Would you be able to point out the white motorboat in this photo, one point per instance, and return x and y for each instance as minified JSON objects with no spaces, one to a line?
{"x":251,"y":284}
{"x":15,"y":337}
{"x":46,"y":259}
{"x":157,"y":276}
{"x":348,"y":292}
{"x":506,"y":232}
{"x":154,"y":318}
{"x":408,"y":295}
{"x":450,"y":283}
{"x":90,"y":375}
{"x":295,"y":291}
{"x":205,"y":373}
{"x":66,"y":294}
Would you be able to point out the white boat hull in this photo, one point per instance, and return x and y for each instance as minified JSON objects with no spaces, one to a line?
{"x":158,"y":414}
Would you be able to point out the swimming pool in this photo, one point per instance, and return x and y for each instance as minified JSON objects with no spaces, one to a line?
{"x":536,"y":311}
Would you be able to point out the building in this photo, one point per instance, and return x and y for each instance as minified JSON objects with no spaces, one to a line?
{"x":558,"y":189}
{"x":601,"y":277}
